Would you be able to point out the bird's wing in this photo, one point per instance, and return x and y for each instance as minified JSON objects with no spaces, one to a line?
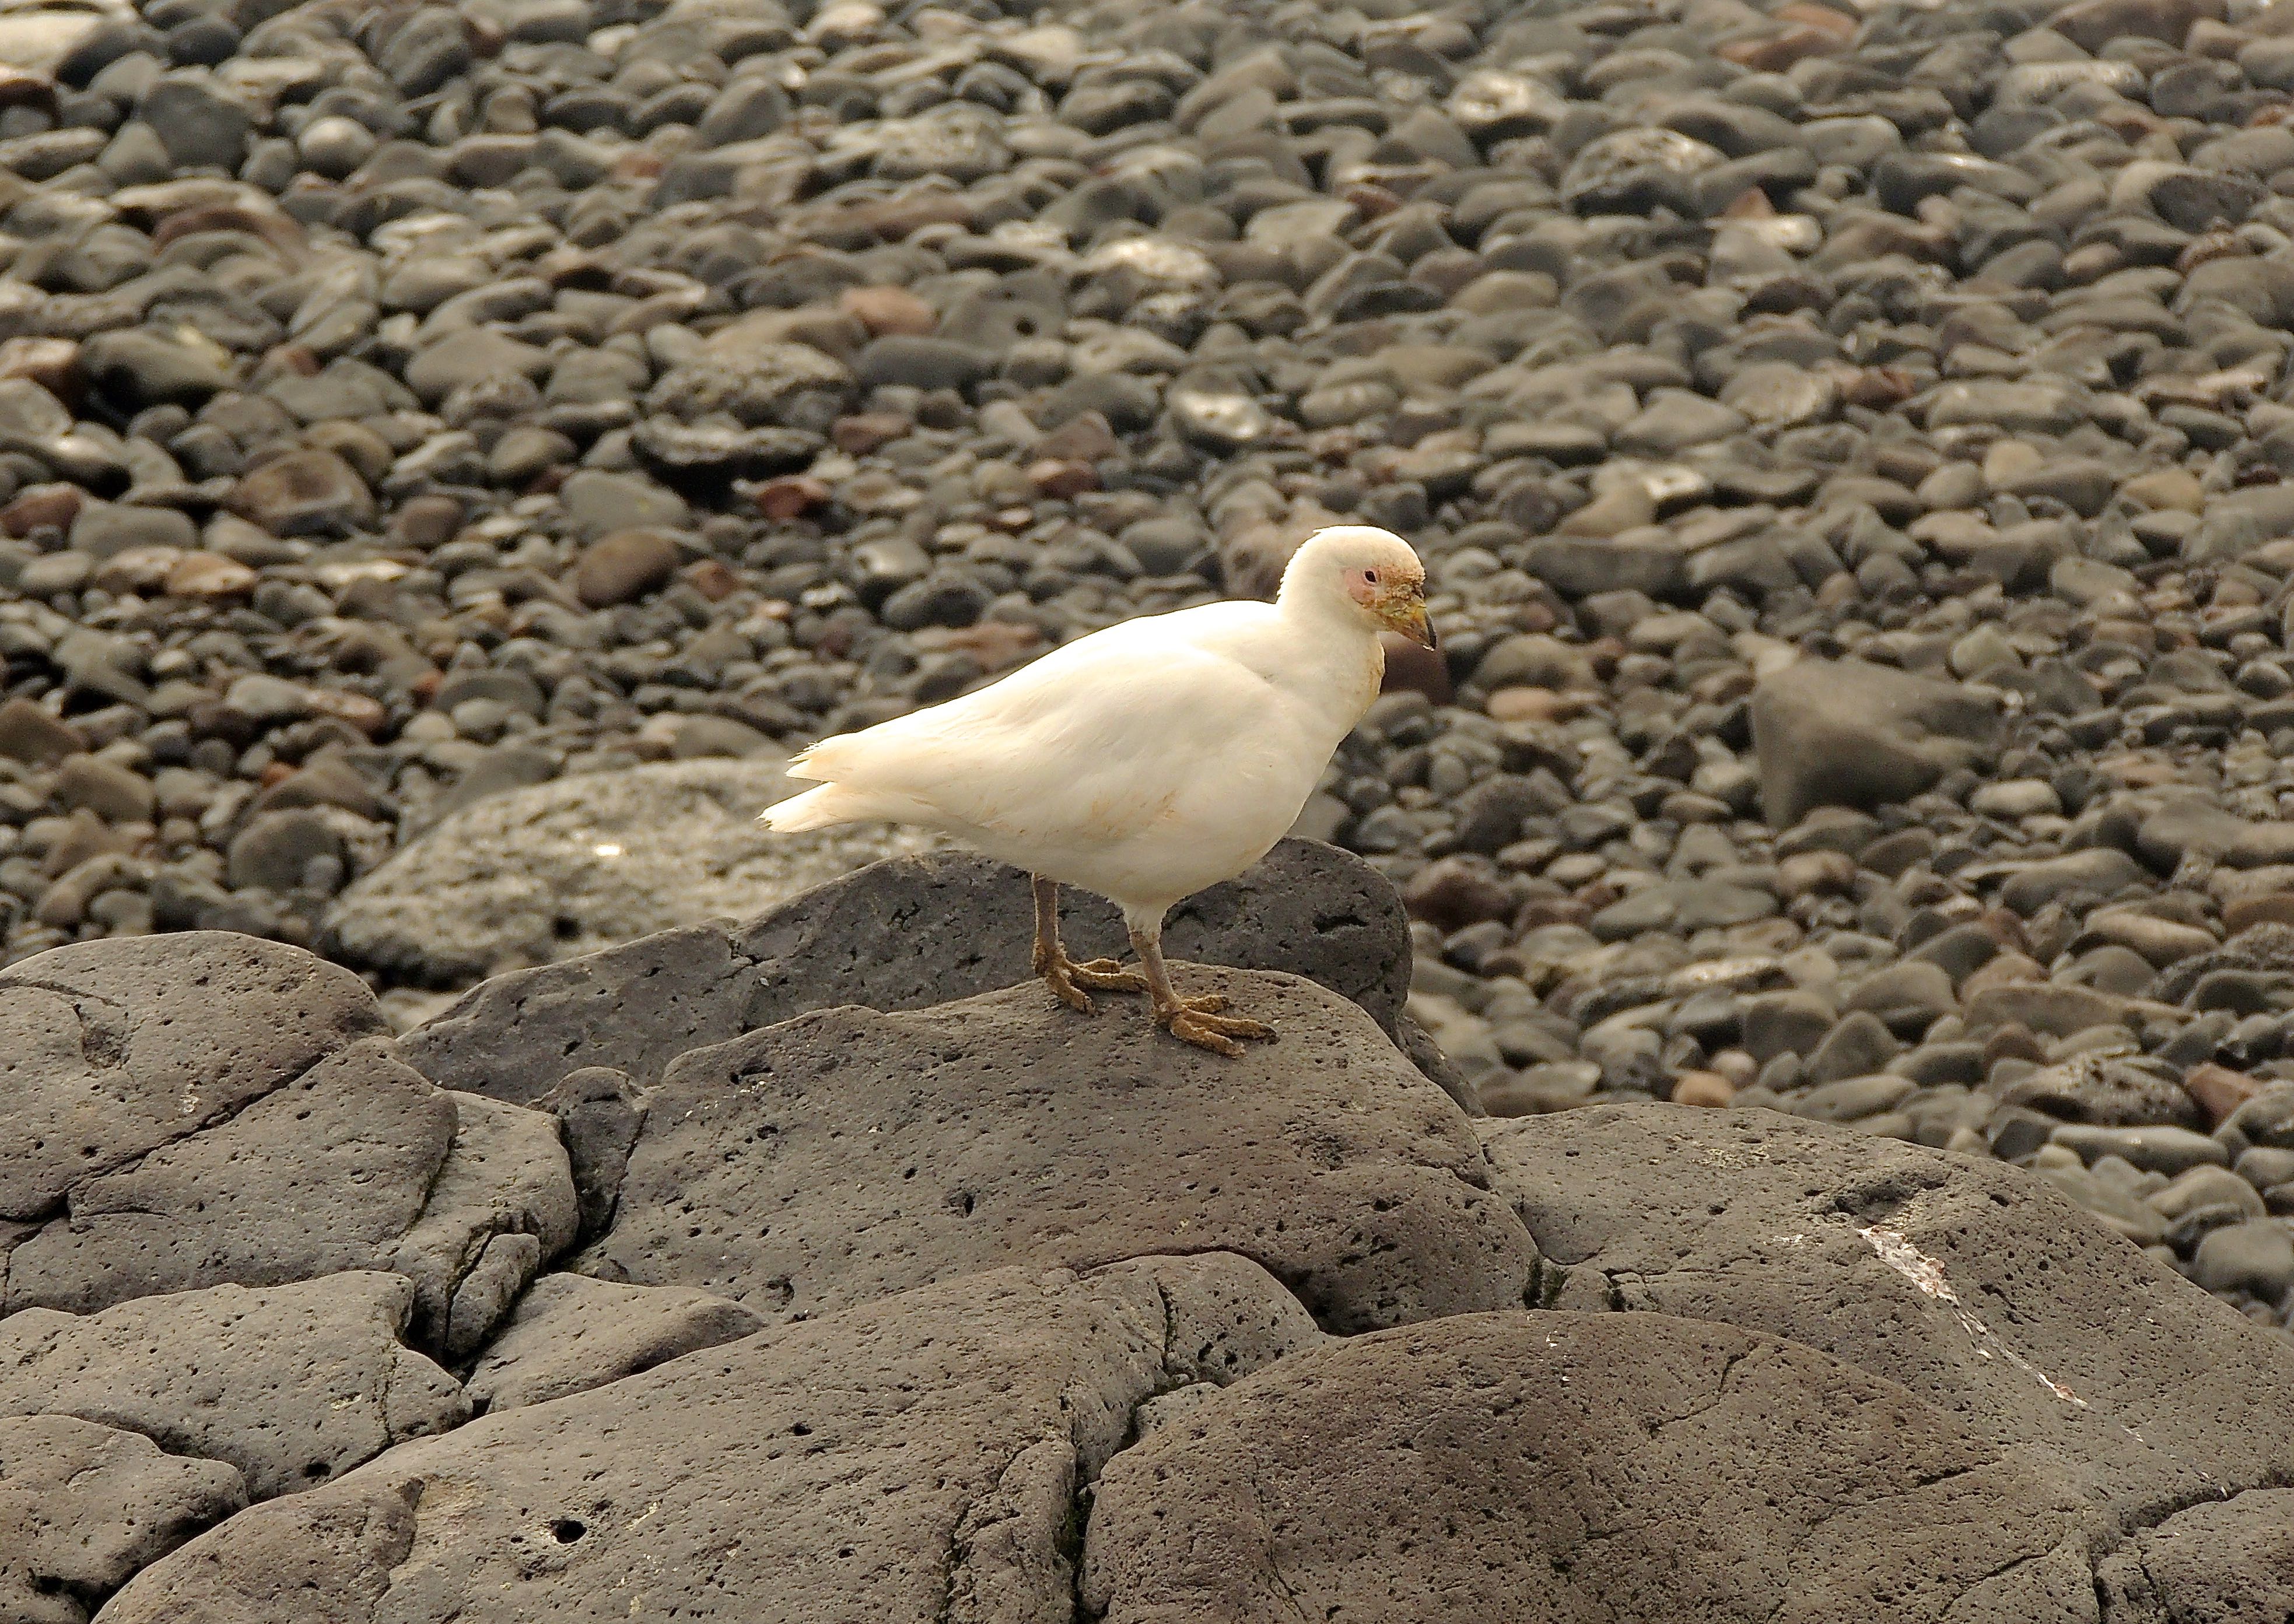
{"x":1101,"y":737}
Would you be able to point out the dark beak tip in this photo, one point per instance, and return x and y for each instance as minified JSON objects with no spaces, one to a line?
{"x":1432,"y":640}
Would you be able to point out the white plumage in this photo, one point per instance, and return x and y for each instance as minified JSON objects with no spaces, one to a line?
{"x":1145,"y":761}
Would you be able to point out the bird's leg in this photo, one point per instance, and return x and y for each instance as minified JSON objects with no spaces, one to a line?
{"x":1065,"y":977}
{"x":1197,"y":1020}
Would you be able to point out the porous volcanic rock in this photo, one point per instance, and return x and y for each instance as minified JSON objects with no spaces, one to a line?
{"x":851,"y":1153}
{"x":111,"y":1048}
{"x":901,"y":934}
{"x":82,"y":1507}
{"x":914,"y":1458}
{"x":288,"y":1384}
{"x":1562,"y":1467}
{"x":1980,"y":1289}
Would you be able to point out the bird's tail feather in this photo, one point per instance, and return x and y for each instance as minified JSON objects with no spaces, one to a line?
{"x":800,"y":765}
{"x":841,"y":803}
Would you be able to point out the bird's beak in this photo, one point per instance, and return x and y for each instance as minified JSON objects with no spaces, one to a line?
{"x":1407,"y":615}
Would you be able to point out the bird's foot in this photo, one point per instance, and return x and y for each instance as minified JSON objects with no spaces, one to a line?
{"x":1197,"y":1021}
{"x":1066,"y":979}
{"x":1107,"y":975}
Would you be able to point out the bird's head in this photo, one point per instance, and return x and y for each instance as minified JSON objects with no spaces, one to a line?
{"x":1373,"y":570}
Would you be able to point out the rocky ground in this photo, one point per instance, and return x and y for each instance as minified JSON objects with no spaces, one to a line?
{"x":452,"y":454}
{"x":798,"y":1270}
{"x":449,"y":454}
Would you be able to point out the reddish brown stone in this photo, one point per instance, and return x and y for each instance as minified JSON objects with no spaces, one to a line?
{"x":428,"y":521}
{"x":1085,"y":437}
{"x":306,"y":492}
{"x":864,"y":431}
{"x":55,"y":506}
{"x":711,"y":577}
{"x":2219,"y":1091}
{"x":1779,"y":52}
{"x":1877,"y":387}
{"x":1705,"y":1088}
{"x":792,"y":494}
{"x":52,"y":363}
{"x":1526,"y":704}
{"x":625,"y":564}
{"x":1822,"y":18}
{"x":994,"y":643}
{"x":366,"y":715}
{"x":209,"y":577}
{"x":888,"y":310}
{"x":1057,"y":478}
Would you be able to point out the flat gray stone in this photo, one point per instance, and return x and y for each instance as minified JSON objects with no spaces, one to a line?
{"x":570,"y":866}
{"x":1847,"y":733}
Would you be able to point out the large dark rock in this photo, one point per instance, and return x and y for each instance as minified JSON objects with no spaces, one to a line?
{"x":1974,"y":1284}
{"x":315,"y":1177}
{"x":1548,"y":1468}
{"x":289,"y":1384}
{"x":918,"y":1457}
{"x":82,"y":1507}
{"x":111,"y":1048}
{"x":1849,"y":733}
{"x":848,"y":1154}
{"x":897,"y":934}
{"x":360,"y":1163}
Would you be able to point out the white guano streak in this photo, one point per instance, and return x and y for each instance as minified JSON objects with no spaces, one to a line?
{"x":1927,"y":1274}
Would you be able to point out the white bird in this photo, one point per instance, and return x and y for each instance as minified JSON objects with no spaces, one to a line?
{"x":1145,"y":761}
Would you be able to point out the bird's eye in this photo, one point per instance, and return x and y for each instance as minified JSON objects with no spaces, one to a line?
{"x":1369,"y":577}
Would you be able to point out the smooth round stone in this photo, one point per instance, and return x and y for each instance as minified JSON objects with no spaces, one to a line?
{"x":2015,"y":798}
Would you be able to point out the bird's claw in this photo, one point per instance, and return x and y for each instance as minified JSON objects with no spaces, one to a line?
{"x":1190,"y":1021}
{"x":1057,"y":978}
